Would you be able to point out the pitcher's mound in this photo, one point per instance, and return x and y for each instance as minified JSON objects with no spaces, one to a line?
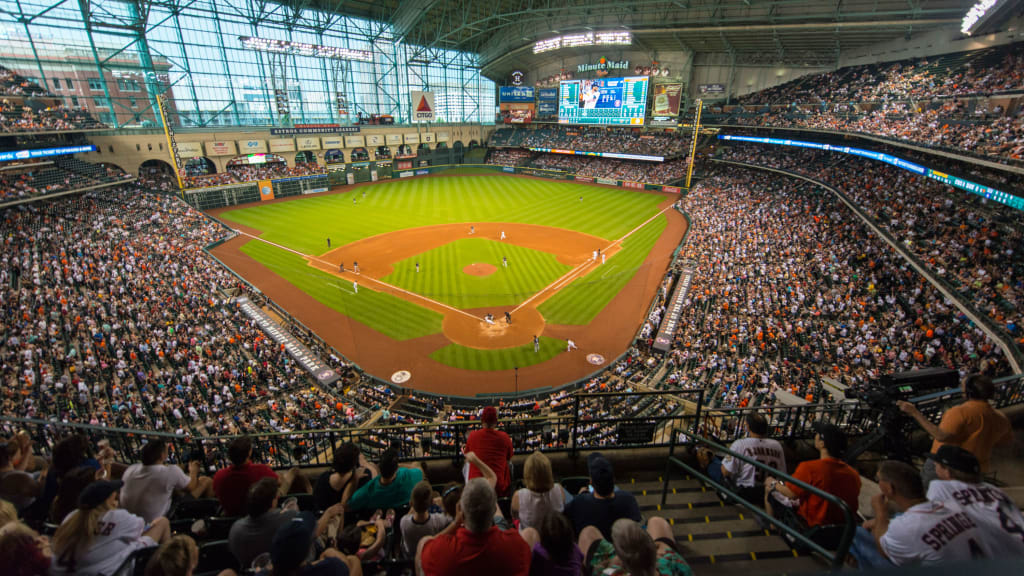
{"x":478,"y":269}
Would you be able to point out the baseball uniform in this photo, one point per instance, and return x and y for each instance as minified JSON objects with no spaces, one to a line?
{"x":931,"y":533}
{"x":764,"y":450}
{"x":119,"y":533}
{"x":990,"y":508}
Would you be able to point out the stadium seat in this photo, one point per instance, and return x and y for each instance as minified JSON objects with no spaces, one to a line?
{"x":135,"y":564}
{"x":218,"y":527}
{"x":202,"y":508}
{"x":214,"y":557}
{"x":573,"y":484}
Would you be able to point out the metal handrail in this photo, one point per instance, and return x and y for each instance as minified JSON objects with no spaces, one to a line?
{"x":836,"y":558}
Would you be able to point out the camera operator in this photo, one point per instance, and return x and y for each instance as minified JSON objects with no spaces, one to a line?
{"x":974,"y":425}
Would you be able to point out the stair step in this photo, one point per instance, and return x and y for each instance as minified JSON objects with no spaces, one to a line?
{"x":718,"y":528}
{"x":730,"y":547}
{"x":765,"y":565}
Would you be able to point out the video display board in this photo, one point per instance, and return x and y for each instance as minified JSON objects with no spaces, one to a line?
{"x":603,"y":101}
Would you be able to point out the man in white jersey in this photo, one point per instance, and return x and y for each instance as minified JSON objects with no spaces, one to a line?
{"x":926,"y":533}
{"x":959,"y":485}
{"x":755,"y":446}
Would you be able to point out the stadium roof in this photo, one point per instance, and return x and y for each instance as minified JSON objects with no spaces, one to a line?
{"x":752,"y":31}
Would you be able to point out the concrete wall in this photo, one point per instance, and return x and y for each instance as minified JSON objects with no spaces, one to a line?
{"x":128,"y":149}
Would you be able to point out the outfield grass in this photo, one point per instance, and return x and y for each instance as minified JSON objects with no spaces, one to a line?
{"x":582,"y":300}
{"x":470,"y":170}
{"x":501,"y":359}
{"x":390,"y":315}
{"x":305,"y":224}
{"x":441,"y":277}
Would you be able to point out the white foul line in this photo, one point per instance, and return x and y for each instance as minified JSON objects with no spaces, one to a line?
{"x":391,"y":286}
{"x":570,"y":275}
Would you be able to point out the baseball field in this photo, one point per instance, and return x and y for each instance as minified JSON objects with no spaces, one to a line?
{"x":441,"y":260}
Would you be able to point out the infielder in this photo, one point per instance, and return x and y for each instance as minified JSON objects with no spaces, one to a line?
{"x":355,"y":267}
{"x":355,"y":286}
{"x":472,"y":229}
{"x":508,"y":318}
{"x":593,"y":255}
{"x":602,"y":258}
{"x":341,"y":267}
{"x":502,"y":235}
{"x":536,"y":344}
{"x":572,"y":346}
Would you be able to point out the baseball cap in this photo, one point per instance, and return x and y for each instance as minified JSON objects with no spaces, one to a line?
{"x":834,"y":439}
{"x":489,"y":415}
{"x":602,"y":475}
{"x":97,"y":493}
{"x":956,"y":458}
{"x":292,"y":542}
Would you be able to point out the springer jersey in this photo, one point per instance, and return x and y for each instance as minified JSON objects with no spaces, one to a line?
{"x":931,"y":533}
{"x":764,"y":450}
{"x":990,"y":508}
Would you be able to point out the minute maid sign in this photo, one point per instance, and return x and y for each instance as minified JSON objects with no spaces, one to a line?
{"x":603,"y":64}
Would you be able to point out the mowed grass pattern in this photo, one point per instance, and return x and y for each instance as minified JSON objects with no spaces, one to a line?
{"x":582,"y":300}
{"x":390,"y":315}
{"x":305,"y":224}
{"x":441,"y":277}
{"x":503,"y":359}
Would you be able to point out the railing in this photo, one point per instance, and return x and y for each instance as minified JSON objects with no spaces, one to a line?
{"x":431,"y":441}
{"x":835,"y":558}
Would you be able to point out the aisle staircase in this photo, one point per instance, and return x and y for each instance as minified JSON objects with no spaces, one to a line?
{"x":714,"y":537}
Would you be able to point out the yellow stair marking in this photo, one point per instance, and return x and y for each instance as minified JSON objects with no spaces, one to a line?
{"x":767,"y":532}
{"x":643,"y":492}
{"x":690,"y":536}
{"x":741,"y":516}
{"x":672,"y":521}
{"x":673,"y":490}
{"x":753,"y":556}
{"x":703,"y":488}
{"x":707,"y":520}
{"x":712,"y":558}
{"x":690,"y":504}
{"x":728,"y":534}
{"x":659,"y":507}
{"x":659,"y":479}
{"x":795,"y":555}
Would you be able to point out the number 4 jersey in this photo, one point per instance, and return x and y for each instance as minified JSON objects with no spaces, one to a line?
{"x":930,"y":533}
{"x":991,"y":509}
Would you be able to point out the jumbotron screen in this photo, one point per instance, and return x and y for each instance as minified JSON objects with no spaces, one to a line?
{"x":603,"y":101}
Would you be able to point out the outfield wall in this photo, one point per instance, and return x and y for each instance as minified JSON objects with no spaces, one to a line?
{"x":352,"y":173}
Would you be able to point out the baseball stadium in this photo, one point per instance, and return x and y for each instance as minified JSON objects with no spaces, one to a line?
{"x":558,"y":288}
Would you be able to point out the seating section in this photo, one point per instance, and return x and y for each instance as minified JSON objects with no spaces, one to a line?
{"x":66,"y":173}
{"x":14,"y":84}
{"x":246,"y":173}
{"x":20,"y":117}
{"x":620,"y":140}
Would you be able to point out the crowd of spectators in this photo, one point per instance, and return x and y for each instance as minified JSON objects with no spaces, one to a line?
{"x":14,"y":84}
{"x":666,"y":143}
{"x":627,"y":170}
{"x":790,"y":287}
{"x":16,"y":117}
{"x":939,"y":102}
{"x":33,"y":179}
{"x":239,"y":173}
{"x":508,"y":156}
{"x":969,"y":241}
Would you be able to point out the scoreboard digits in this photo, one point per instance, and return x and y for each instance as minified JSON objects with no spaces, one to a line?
{"x":603,"y":101}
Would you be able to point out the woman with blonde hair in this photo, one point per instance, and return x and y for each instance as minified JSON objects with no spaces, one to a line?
{"x":541,"y":495}
{"x":97,"y":537}
{"x":179,"y":556}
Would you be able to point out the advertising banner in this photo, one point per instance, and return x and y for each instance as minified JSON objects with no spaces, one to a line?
{"x":221,"y":148}
{"x":374,"y":140}
{"x":282,"y":145}
{"x":412,"y":138}
{"x":427,"y":137}
{"x":666,"y":99}
{"x":313,"y":129}
{"x":422,"y":106}
{"x":354,"y":142}
{"x":307,"y":143}
{"x":266,"y":190}
{"x":393,"y":139}
{"x":711,"y":88}
{"x":508,"y":169}
{"x":584,"y":179}
{"x":404,"y":174}
{"x":545,"y":108}
{"x":608,"y":181}
{"x":252,"y":146}
{"x":332,"y":142}
{"x":672,"y":189}
{"x":422,"y":172}
{"x":443,"y":137}
{"x":315,"y":366}
{"x":547,"y":94}
{"x":633,"y":185}
{"x":515,"y":94}
{"x":189,"y":149}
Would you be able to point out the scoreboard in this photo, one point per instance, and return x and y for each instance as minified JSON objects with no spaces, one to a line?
{"x":603,"y":101}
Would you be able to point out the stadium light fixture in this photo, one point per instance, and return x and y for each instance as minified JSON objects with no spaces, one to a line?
{"x":301,"y":49}
{"x":980,"y":9}
{"x":610,"y":38}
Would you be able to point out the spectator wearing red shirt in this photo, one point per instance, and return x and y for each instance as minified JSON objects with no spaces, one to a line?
{"x":231,"y":484}
{"x":492,"y":446}
{"x":472,"y":544}
{"x":828,"y":473}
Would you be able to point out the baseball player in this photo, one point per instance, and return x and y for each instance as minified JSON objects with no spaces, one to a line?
{"x":328,"y":241}
{"x":536,"y":344}
{"x":502,"y":235}
{"x":355,"y":267}
{"x":504,"y":261}
{"x":959,"y":485}
{"x":341,"y":267}
{"x":417,"y":267}
{"x":355,"y":286}
{"x":602,"y":258}
{"x":472,"y":229}
{"x":593,"y":255}
{"x":571,"y":346}
{"x":508,"y":318}
{"x":353,"y":201}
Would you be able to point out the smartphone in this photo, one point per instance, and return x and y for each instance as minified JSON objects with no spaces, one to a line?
{"x":590,"y":488}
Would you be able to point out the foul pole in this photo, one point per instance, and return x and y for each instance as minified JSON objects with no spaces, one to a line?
{"x":693,"y":142}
